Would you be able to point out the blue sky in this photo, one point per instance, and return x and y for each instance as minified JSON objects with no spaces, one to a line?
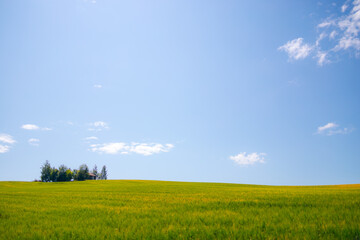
{"x":258,"y":92}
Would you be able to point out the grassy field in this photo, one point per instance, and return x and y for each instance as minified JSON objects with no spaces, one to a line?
{"x":176,"y":210}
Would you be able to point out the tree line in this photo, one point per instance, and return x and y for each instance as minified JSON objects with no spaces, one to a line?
{"x":65,"y":174}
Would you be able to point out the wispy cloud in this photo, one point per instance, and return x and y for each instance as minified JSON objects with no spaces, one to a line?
{"x":98,"y":126}
{"x":91,"y":1}
{"x":344,"y":7}
{"x":34,"y":127}
{"x":326,"y":23}
{"x":331,"y":128}
{"x":145,"y":149}
{"x":319,"y":38}
{"x":30,"y":127}
{"x":91,"y":138}
{"x":341,"y":33}
{"x":97,"y":86}
{"x":248,"y":159}
{"x":322,"y":58}
{"x":6,"y":139}
{"x":296,"y":49}
{"x":4,"y":148}
{"x":34,"y":141}
{"x":333,"y":34}
{"x":326,"y":127}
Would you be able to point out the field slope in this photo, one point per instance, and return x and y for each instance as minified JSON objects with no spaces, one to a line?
{"x":176,"y":210}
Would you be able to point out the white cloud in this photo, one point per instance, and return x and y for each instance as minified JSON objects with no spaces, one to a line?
{"x":327,"y":127}
{"x":97,"y":86}
{"x":6,"y":138}
{"x":339,"y":131}
{"x":348,"y":42}
{"x":248,"y":159}
{"x":320,"y":37}
{"x":350,"y":25}
{"x":92,"y":1}
{"x":296,"y":49}
{"x":322,"y":58}
{"x":34,"y":127}
{"x":326,"y":23}
{"x":332,"y":34}
{"x":145,"y":149}
{"x":30,"y":127}
{"x":344,"y":7}
{"x":169,"y":145}
{"x":98,"y":126}
{"x":34,"y":141}
{"x":109,"y":148}
{"x":342,"y":33}
{"x":321,"y":55}
{"x":91,"y":138}
{"x":331,"y":128}
{"x":4,"y":148}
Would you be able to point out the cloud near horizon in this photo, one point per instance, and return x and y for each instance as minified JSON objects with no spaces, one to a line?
{"x":342,"y":33}
{"x":30,"y":127}
{"x":34,"y":141}
{"x":91,"y":138}
{"x":98,"y":126}
{"x":145,"y":149}
{"x":34,"y":127}
{"x":248,"y":159}
{"x":6,"y":141}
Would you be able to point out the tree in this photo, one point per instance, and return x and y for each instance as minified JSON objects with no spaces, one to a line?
{"x":69,"y":175}
{"x":74,"y":174}
{"x":45,"y":172}
{"x":83,"y":173}
{"x":95,"y":172}
{"x":62,"y":173}
{"x":54,"y":175}
{"x":103,"y":174}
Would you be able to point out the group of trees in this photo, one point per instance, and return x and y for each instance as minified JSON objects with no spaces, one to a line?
{"x":65,"y":174}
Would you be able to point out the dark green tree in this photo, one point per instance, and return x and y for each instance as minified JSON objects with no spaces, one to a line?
{"x":103,"y":174}
{"x":83,"y":173}
{"x":46,"y":172}
{"x":69,"y":175}
{"x":74,"y":174}
{"x":54,"y":175}
{"x":62,"y":173}
{"x":95,"y":172}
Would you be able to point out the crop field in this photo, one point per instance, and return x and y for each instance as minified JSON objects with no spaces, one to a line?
{"x":123,"y":209}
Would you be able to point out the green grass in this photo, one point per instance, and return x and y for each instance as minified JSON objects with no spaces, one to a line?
{"x":176,"y":210}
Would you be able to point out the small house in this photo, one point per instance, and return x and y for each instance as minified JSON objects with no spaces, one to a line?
{"x":92,"y":176}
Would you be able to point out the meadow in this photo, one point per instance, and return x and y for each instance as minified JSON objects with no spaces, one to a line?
{"x":124,"y":209}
